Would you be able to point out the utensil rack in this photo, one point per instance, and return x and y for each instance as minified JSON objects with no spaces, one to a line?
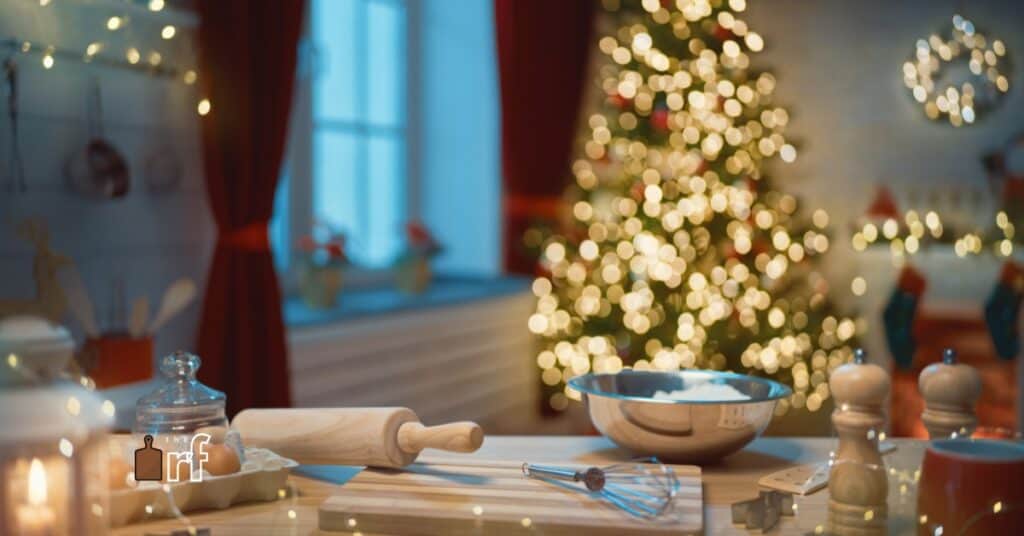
{"x":21,"y":46}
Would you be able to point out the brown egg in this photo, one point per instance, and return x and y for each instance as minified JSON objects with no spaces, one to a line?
{"x":217,"y":433}
{"x":117,"y":473}
{"x":221,"y":459}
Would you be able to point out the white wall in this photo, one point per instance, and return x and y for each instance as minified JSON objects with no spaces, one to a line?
{"x":148,"y":239}
{"x":838,"y":69}
{"x":460,"y":139}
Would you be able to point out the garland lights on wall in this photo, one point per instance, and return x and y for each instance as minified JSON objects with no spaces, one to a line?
{"x":961,"y":95}
{"x":133,"y":58}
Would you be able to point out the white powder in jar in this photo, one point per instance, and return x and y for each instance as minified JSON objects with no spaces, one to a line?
{"x":703,"y":392}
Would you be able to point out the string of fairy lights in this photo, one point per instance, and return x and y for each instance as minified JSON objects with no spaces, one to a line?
{"x":915,"y":232}
{"x":679,"y":248}
{"x":132,"y":57}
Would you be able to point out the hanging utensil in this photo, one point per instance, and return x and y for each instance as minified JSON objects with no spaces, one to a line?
{"x":15,"y":165}
{"x":176,"y":297}
{"x":98,"y":169}
{"x":643,"y":488}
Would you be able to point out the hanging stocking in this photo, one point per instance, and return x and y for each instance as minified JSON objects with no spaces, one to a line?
{"x":899,"y":315}
{"x":1003,"y":309}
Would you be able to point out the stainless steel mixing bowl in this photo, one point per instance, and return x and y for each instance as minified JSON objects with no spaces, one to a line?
{"x":622,"y":408}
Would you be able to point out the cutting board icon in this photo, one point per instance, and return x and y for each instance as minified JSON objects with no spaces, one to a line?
{"x":149,"y":461}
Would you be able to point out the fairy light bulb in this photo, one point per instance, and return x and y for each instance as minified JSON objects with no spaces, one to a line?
{"x":92,"y":49}
{"x":37,"y":493}
{"x":108,"y":408}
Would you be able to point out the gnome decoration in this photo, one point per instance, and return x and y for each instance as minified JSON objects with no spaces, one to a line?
{"x":412,"y":270}
{"x":883,"y":207}
{"x":882,"y":216}
{"x":1006,"y":177}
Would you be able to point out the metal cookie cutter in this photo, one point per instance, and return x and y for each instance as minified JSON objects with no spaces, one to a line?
{"x":763,"y":512}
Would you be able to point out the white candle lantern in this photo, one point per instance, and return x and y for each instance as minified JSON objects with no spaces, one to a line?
{"x":53,"y":440}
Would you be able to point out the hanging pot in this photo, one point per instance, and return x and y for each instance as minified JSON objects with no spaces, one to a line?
{"x":98,"y":169}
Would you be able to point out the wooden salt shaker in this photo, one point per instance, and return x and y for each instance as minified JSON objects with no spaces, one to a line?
{"x":950,"y":390}
{"x":858,"y":485}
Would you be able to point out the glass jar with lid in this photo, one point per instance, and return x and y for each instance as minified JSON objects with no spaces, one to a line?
{"x":182,"y":415}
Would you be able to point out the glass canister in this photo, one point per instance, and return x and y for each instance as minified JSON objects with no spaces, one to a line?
{"x":183,"y":416}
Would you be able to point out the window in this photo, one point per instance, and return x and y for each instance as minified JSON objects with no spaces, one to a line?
{"x":395,"y":118}
{"x":349,"y":136}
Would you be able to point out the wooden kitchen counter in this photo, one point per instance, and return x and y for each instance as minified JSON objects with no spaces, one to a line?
{"x":734,"y":479}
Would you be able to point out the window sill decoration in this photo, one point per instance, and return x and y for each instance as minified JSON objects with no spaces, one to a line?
{"x":413,"y":272}
{"x":321,"y":267}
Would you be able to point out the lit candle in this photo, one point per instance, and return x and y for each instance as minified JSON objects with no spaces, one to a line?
{"x":36,"y":518}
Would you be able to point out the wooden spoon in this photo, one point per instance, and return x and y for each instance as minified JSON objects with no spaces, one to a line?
{"x":80,"y":304}
{"x":138,"y":316}
{"x":176,"y":297}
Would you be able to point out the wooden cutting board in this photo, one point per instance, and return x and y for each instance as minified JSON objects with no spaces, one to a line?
{"x":493,"y":497}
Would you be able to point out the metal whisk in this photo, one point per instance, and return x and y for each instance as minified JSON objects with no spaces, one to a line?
{"x":643,"y":488}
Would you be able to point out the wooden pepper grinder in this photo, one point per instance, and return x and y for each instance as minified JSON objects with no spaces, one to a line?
{"x":950,"y":390}
{"x":858,"y":485}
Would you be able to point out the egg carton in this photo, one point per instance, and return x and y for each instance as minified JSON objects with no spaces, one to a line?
{"x":261,"y":479}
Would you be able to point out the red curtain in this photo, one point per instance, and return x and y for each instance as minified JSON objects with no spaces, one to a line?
{"x":247,"y":61}
{"x":543,"y":50}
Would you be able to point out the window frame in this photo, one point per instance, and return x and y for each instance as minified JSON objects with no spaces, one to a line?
{"x":298,"y":168}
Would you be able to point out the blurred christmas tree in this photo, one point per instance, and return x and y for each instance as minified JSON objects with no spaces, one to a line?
{"x":679,"y":253}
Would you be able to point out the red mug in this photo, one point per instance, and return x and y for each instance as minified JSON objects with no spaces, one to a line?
{"x":971,"y":486}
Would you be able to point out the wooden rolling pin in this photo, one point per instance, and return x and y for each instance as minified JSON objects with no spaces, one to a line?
{"x":379,"y":437}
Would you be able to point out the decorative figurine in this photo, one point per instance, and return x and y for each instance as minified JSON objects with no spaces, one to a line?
{"x":950,"y":390}
{"x":50,"y":302}
{"x":1006,"y":177}
{"x":858,"y":484}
